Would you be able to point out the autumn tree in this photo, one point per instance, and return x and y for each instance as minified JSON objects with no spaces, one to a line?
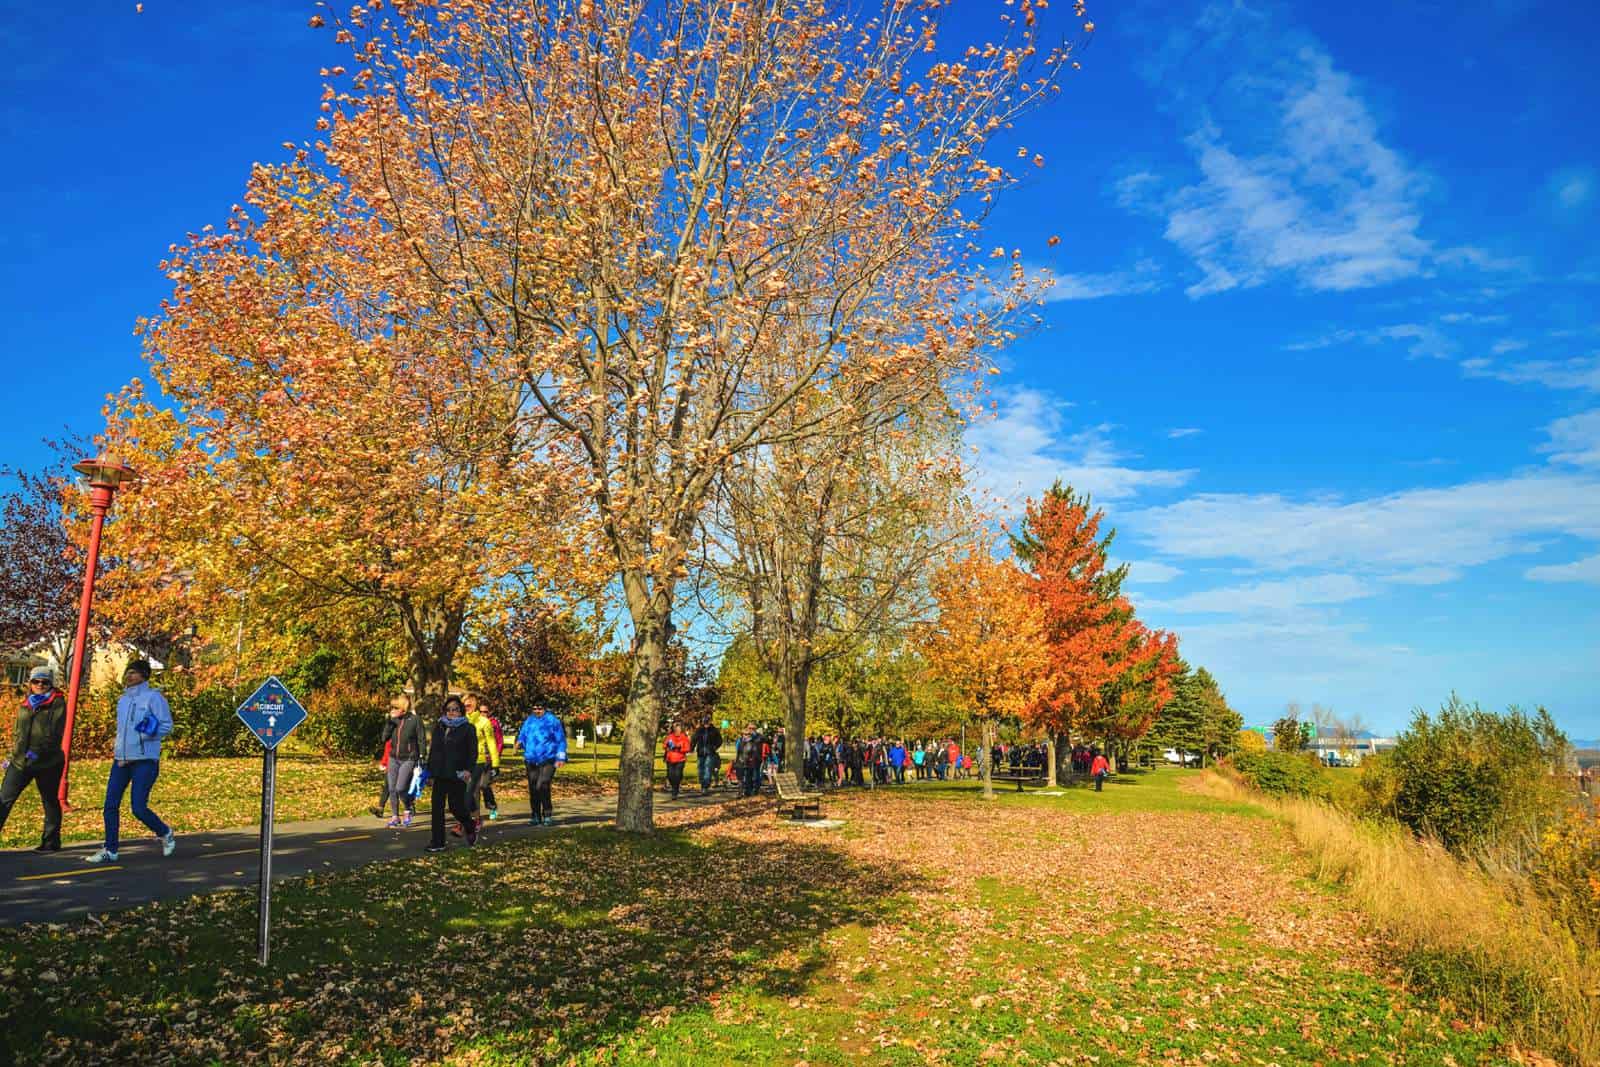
{"x":1109,"y":674}
{"x":989,"y":642}
{"x":826,"y":548}
{"x":330,"y":437}
{"x":41,"y":571}
{"x":680,"y":221}
{"x":532,"y":655}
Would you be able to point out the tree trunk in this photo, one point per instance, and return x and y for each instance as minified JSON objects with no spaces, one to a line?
{"x":1050,"y":760}
{"x":988,"y":759}
{"x":651,"y":611}
{"x":430,"y":680}
{"x":796,"y":683}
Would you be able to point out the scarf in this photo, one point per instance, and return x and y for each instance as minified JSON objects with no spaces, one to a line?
{"x":451,"y":724}
{"x":39,"y":700}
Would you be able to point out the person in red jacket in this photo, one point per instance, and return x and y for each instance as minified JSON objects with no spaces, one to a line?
{"x":676,"y":746}
{"x":1099,"y":768}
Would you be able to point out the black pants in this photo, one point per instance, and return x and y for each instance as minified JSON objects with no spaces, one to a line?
{"x":675,"y":778}
{"x":482,"y":786}
{"x":1099,"y":780}
{"x":540,"y":775}
{"x":48,"y":779}
{"x":750,"y":779}
{"x":452,"y":791}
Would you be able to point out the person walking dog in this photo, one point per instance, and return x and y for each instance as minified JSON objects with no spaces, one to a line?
{"x":37,"y":757}
{"x":143,"y":719}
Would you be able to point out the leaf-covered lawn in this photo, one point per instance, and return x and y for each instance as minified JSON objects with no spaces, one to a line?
{"x":934,"y":927}
{"x":213,"y":794}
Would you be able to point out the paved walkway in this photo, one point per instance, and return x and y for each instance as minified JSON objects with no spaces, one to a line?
{"x":54,"y":886}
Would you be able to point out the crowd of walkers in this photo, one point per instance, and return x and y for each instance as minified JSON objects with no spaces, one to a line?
{"x":460,"y":754}
{"x":461,"y":759}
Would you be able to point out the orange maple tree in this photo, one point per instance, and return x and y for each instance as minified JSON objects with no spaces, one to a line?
{"x":988,"y":644}
{"x":1109,"y":674}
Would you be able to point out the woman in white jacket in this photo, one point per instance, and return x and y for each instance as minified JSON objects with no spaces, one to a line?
{"x":143,"y":719}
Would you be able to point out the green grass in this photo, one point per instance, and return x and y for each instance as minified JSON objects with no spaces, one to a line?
{"x":1148,"y":923}
{"x":213,"y":794}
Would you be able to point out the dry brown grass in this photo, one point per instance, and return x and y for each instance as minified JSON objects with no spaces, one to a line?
{"x":1473,"y":933}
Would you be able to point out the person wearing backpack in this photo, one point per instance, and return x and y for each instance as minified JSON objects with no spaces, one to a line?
{"x":36,"y":756}
{"x":143,"y":719}
{"x":1099,"y":769}
{"x":402,"y":736}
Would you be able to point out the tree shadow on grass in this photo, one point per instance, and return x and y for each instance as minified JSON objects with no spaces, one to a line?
{"x":531,"y":949}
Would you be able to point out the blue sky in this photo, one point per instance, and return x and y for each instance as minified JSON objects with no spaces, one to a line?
{"x":1324,"y":340}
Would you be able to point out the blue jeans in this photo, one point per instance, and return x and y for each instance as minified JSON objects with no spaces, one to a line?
{"x":141,"y":773}
{"x":706,"y":764}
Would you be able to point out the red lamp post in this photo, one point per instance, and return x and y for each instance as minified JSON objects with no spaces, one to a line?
{"x":105,"y":474}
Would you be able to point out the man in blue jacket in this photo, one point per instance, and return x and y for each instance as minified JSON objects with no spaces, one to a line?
{"x":543,"y":741}
{"x":143,"y":719}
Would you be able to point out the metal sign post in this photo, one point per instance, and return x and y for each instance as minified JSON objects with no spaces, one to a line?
{"x":269,"y":783}
{"x":271,"y":713}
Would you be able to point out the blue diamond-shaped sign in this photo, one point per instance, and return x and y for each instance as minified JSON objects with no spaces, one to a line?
{"x":272,"y":713}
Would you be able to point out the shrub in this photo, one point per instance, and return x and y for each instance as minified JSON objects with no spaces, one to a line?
{"x":206,"y":723}
{"x":1283,"y":773}
{"x":1471,"y":778}
{"x":1249,"y":741}
{"x":342,"y":721}
{"x":1566,"y":871}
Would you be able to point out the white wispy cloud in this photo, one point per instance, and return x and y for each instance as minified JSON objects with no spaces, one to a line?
{"x":1575,"y":440}
{"x":1572,"y":188}
{"x":1292,"y":177}
{"x":1027,"y":445}
{"x":1326,"y":202}
{"x":1275,"y":597}
{"x":1421,"y":339}
{"x":1582,"y":372}
{"x":1144,"y":277}
{"x":1183,"y":431}
{"x":1585,"y":570}
{"x":1452,"y":527}
{"x":1151,"y":572}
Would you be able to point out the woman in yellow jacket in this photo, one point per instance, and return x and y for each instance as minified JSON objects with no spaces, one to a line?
{"x":487,"y":767}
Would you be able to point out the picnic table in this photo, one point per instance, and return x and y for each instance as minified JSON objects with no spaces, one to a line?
{"x":1021,"y":775}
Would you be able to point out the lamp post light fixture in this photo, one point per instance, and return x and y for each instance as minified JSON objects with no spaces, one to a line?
{"x":105,"y":474}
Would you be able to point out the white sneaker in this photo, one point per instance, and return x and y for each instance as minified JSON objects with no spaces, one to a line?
{"x":105,"y":855}
{"x":169,"y":844}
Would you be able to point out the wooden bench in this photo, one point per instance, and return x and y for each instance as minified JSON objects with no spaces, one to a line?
{"x":794,"y":799}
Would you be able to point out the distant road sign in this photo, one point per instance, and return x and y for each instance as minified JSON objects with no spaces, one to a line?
{"x":272,"y":713}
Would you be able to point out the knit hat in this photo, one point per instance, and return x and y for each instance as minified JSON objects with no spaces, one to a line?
{"x":42,"y":674}
{"x":140,"y":665}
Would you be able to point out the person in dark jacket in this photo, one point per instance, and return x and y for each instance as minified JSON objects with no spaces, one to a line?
{"x":37,"y":758}
{"x":451,"y":756}
{"x":403,"y":734}
{"x":707,"y":745}
{"x":749,"y":758}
